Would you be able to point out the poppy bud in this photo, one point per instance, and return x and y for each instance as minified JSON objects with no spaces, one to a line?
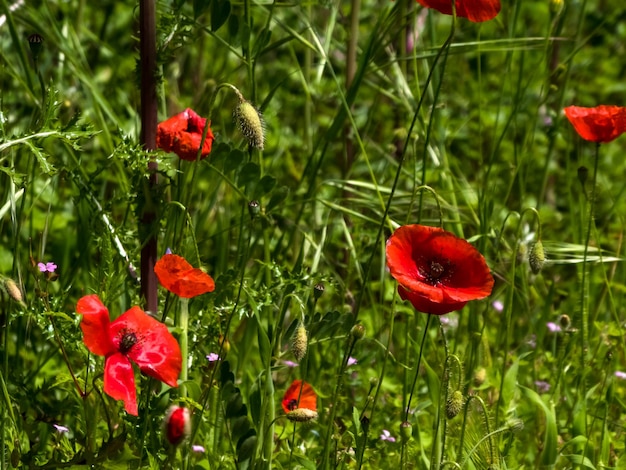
{"x":250,"y":124}
{"x":565,"y":321}
{"x":536,"y":257}
{"x":454,"y":404}
{"x":225,"y":344}
{"x":13,"y":290}
{"x":357,"y":331}
{"x":318,"y":290}
{"x":15,"y":455}
{"x":480,"y":376}
{"x":406,"y":431}
{"x":515,"y":425}
{"x":299,"y":342}
{"x":373,"y":382}
{"x":177,"y":424}
{"x":301,"y":415}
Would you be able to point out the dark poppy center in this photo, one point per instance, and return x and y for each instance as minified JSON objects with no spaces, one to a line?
{"x":292,"y":404}
{"x":127,"y":342}
{"x":436,"y":271}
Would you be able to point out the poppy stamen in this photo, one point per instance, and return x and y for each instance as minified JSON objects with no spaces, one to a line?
{"x":129,"y":339}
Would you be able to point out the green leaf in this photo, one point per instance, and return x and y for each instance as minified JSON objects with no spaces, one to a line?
{"x":249,"y":174}
{"x":220,"y":11}
{"x":235,"y":157}
{"x":549,"y":453}
{"x":199,"y":7}
{"x":278,"y":196}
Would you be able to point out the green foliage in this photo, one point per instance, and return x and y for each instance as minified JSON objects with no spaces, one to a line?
{"x":371,"y":122}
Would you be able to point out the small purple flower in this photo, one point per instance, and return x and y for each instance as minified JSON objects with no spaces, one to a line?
{"x":498,"y":305}
{"x":553,"y":327}
{"x":61,"y":429}
{"x":620,"y":375}
{"x":352,"y":361}
{"x":386,"y":436}
{"x":197,"y":448}
{"x":212,"y":357}
{"x":542,"y":386}
{"x":290,"y":363}
{"x":168,"y":251}
{"x":47,"y":267}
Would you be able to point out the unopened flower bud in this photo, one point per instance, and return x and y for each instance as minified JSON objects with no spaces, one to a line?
{"x":13,"y":290}
{"x":225,"y":344}
{"x":406,"y":431}
{"x":357,"y":331}
{"x":480,"y":376}
{"x":536,"y":257}
{"x":250,"y":124}
{"x":515,"y":424}
{"x":299,"y":342}
{"x":565,"y":321}
{"x":301,"y":415}
{"x":177,"y":424}
{"x":454,"y":404}
{"x":373,"y":382}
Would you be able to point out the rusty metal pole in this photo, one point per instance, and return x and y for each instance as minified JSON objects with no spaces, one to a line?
{"x":147,"y":56}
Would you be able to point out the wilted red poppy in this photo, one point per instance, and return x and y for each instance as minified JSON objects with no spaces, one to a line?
{"x":600,"y":124}
{"x":181,"y":278}
{"x":436,"y":271}
{"x":299,"y":395}
{"x":474,"y":10}
{"x":182,"y":134}
{"x":133,"y":336}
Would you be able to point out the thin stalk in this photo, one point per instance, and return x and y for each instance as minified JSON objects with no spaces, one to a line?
{"x":183,"y":325}
{"x":149,"y":106}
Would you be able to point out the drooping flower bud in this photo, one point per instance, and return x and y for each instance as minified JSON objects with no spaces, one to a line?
{"x":454,"y":404}
{"x":177,"y":424}
{"x":250,"y":124}
{"x":13,"y":290}
{"x":536,"y":257}
{"x":480,"y":376}
{"x":318,"y":290}
{"x":299,"y":342}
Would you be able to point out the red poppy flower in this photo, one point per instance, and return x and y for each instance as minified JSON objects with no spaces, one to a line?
{"x":181,"y":278}
{"x":436,"y":271}
{"x":600,"y":124}
{"x":299,"y":395}
{"x":182,"y":134}
{"x":133,"y":336}
{"x":474,"y":10}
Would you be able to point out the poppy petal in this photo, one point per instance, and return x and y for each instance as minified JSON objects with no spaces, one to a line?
{"x":119,"y":381}
{"x":599,"y":124}
{"x":436,"y":267}
{"x":182,"y":134}
{"x":153,"y":347}
{"x":95,"y":325}
{"x":474,"y":10}
{"x":299,"y":395}
{"x":181,"y":278}
{"x":425,"y":305}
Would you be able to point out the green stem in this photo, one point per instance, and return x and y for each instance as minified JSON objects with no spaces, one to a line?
{"x":183,"y":324}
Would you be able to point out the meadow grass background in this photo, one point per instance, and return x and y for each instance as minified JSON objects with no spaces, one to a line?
{"x":361,"y":115}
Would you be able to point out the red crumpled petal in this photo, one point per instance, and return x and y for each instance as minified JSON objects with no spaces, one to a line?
{"x":474,"y":10}
{"x":119,"y":381}
{"x":307,"y":399}
{"x":155,"y":350}
{"x":411,"y":251}
{"x":424,"y":305}
{"x":95,"y":325}
{"x":182,"y":134}
{"x":599,"y":124}
{"x":177,"y":426}
{"x":181,"y":278}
